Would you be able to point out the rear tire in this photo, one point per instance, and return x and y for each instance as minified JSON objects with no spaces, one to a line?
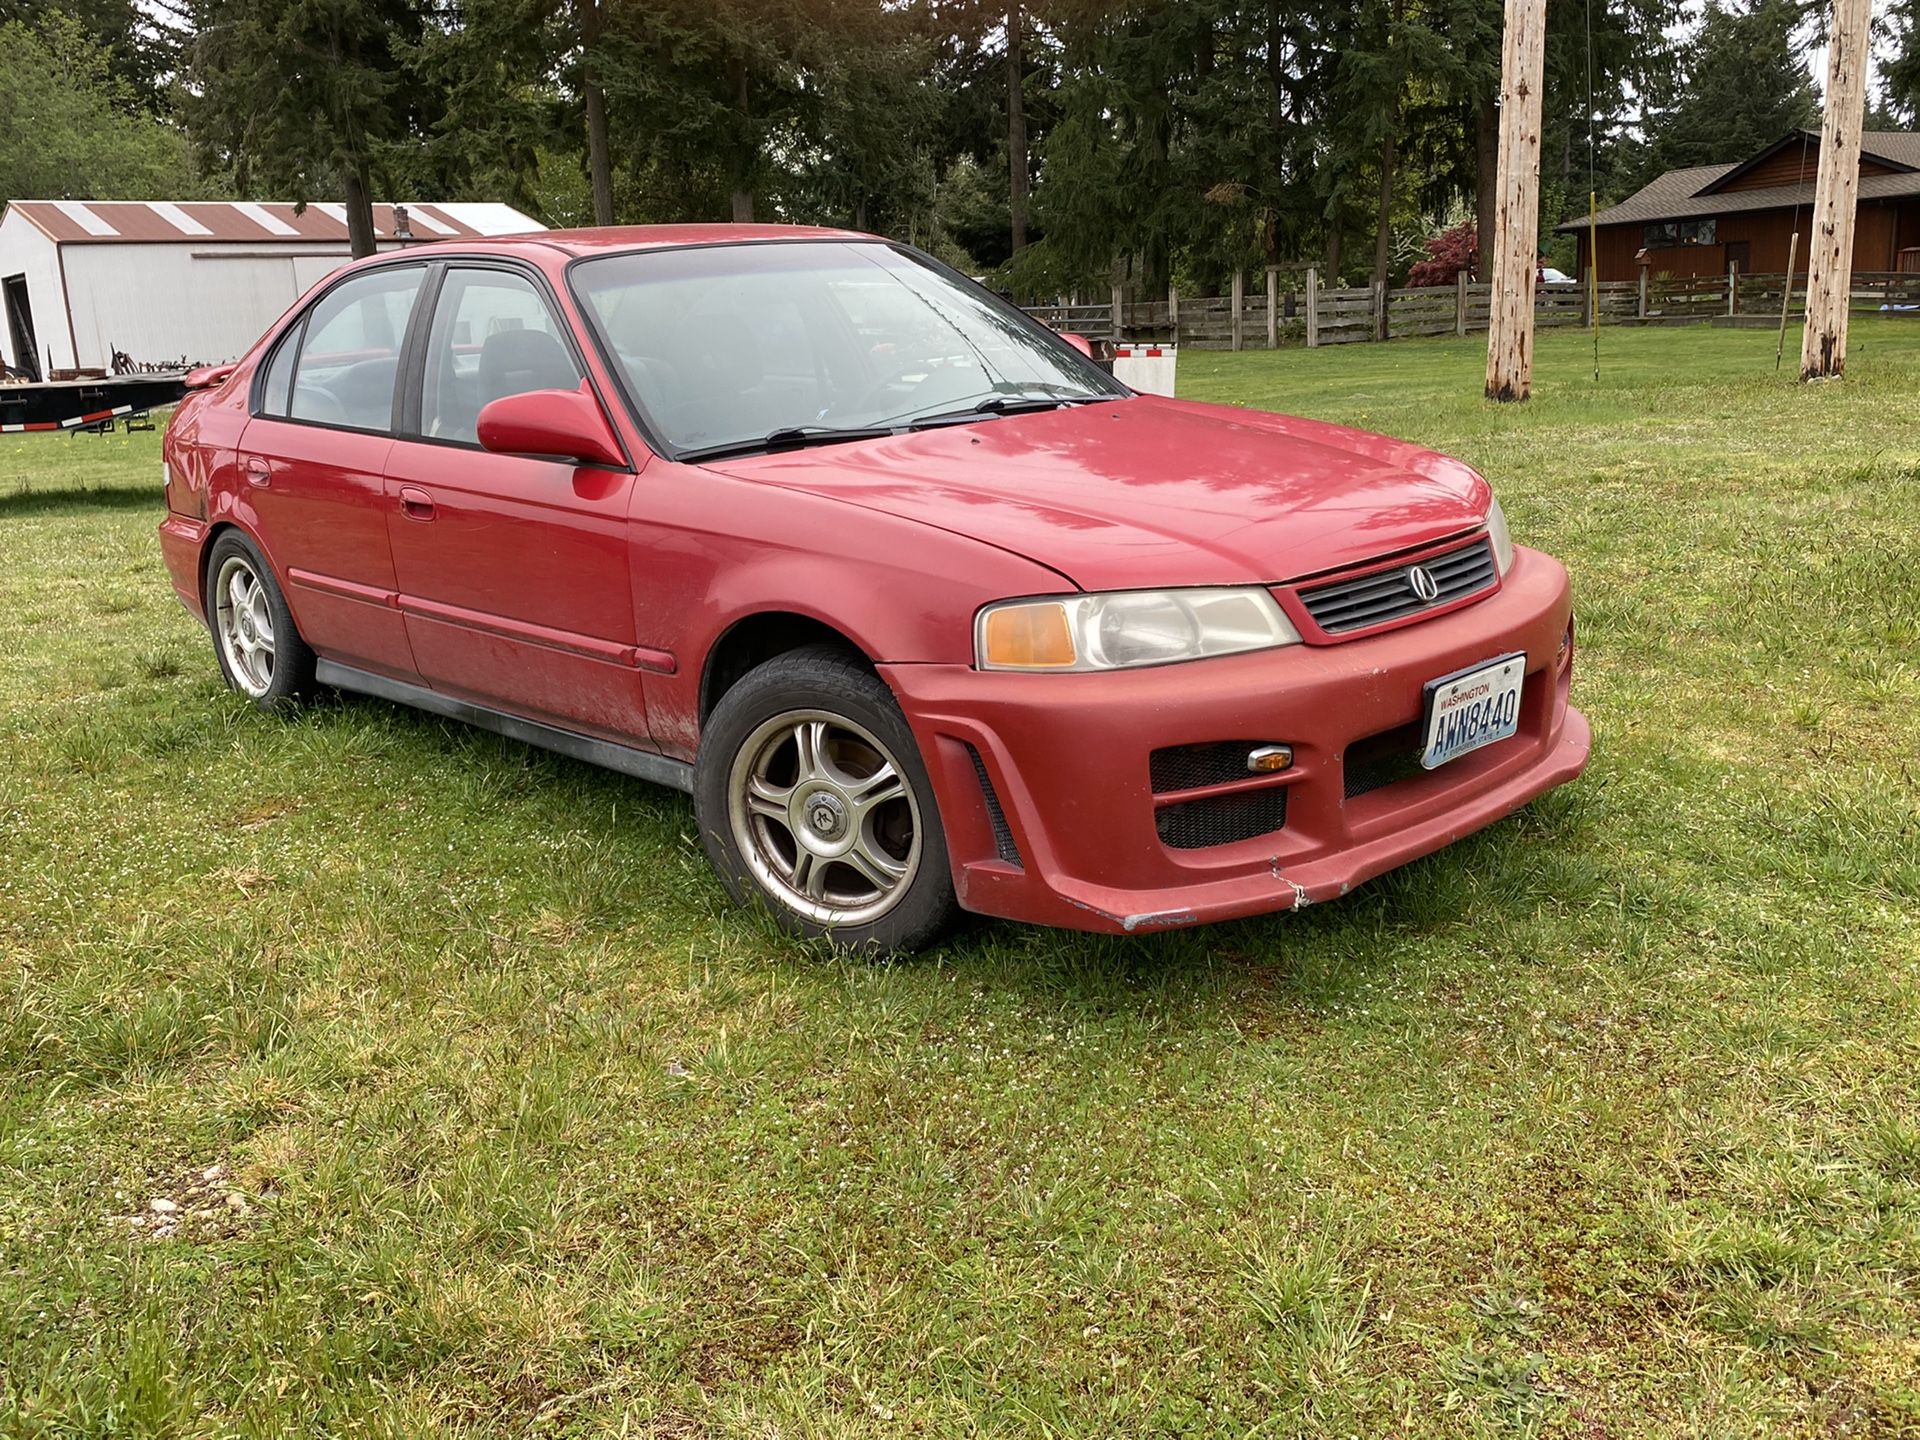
{"x":813,"y":801}
{"x":260,"y":652}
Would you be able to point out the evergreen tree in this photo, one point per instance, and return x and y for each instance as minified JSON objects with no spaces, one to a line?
{"x":1898,"y":104}
{"x":495,"y":71}
{"x":868,"y":157}
{"x":303,"y":95}
{"x":1743,"y":84}
{"x":1114,"y":195}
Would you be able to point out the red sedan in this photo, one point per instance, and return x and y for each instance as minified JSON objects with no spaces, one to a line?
{"x":922,"y":607}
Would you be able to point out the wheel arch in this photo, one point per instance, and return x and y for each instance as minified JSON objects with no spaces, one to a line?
{"x":752,"y":640}
{"x":205,"y":562}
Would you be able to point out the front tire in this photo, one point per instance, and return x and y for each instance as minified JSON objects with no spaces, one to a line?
{"x":261,"y":654}
{"x":813,"y":801}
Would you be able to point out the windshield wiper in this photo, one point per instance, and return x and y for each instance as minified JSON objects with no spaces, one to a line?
{"x":1003,"y":405}
{"x":788,"y":437}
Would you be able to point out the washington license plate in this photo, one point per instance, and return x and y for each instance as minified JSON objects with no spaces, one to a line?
{"x":1473,"y":707}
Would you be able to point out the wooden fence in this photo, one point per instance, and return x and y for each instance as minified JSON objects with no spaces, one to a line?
{"x":1318,"y":315}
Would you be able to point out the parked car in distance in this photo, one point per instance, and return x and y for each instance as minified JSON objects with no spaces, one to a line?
{"x":924,"y":609}
{"x":1551,"y":276}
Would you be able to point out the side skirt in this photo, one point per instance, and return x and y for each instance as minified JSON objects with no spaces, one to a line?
{"x":641,"y":764}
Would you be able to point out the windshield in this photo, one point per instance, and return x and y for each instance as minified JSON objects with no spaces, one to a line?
{"x":725,"y":346}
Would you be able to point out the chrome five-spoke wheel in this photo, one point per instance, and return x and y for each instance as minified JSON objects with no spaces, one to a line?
{"x":243,"y":619}
{"x":824,"y":817}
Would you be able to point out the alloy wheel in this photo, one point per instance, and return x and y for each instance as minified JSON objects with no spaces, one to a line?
{"x":244,"y":622}
{"x":824,"y":816}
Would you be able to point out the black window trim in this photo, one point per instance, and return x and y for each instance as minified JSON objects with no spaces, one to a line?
{"x":413,"y":359}
{"x":637,"y":412}
{"x":296,"y":333}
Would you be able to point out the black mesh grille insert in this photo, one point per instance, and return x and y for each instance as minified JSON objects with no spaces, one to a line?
{"x":1188,"y":767}
{"x":1003,"y":845}
{"x":1222,"y":819}
{"x":1383,"y":595}
{"x":1382,"y":760}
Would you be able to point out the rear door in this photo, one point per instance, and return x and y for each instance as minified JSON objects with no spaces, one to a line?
{"x":313,"y":458}
{"x":514,"y":575}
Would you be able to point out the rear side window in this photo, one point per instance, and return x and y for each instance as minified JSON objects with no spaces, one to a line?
{"x":350,"y":356}
{"x":277,"y":388}
{"x":492,"y":336}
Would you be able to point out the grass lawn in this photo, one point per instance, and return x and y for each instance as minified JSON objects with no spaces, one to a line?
{"x":483,"y":1113}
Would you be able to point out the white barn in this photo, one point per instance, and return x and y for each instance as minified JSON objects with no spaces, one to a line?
{"x":163,"y":281}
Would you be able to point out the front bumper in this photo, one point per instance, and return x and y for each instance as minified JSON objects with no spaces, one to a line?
{"x":1066,"y":759}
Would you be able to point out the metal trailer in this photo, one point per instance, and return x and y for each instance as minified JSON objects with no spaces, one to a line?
{"x":90,"y":405}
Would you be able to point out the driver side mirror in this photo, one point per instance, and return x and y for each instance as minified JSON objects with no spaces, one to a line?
{"x":551,"y":424}
{"x":1080,"y":343}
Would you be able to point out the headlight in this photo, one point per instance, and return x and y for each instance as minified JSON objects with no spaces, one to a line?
{"x":1502,"y":541}
{"x":1128,"y":628}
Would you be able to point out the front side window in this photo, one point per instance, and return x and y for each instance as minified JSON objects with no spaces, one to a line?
{"x":350,"y":357}
{"x":492,"y":336}
{"x":724,"y":345}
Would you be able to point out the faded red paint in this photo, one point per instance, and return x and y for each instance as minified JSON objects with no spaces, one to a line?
{"x":592,"y":598}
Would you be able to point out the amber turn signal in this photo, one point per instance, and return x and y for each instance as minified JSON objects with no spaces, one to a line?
{"x":1028,"y":637}
{"x":1267,"y":759}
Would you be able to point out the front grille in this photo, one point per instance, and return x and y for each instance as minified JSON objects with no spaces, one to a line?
{"x":1382,"y":595}
{"x":1382,"y":760}
{"x":1189,"y":767}
{"x":1003,"y":844}
{"x":1222,"y":819}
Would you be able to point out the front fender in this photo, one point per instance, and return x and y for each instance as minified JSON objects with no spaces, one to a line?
{"x":711,"y":550}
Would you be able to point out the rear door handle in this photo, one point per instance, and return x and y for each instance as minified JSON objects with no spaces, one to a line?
{"x":415,"y":503}
{"x":259,"y":473}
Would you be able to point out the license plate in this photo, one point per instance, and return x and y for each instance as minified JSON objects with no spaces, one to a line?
{"x":1473,"y":707}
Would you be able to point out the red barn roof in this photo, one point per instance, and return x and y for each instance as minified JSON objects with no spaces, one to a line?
{"x":107,"y":222}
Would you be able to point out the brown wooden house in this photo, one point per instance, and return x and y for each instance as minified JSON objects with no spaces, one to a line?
{"x":1701,"y":220}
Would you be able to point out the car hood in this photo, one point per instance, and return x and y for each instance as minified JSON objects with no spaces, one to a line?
{"x":1152,"y":492}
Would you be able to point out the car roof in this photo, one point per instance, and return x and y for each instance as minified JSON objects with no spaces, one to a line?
{"x":614,"y":238}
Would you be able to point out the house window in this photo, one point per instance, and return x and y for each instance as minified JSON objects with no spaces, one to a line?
{"x":1668,"y":234}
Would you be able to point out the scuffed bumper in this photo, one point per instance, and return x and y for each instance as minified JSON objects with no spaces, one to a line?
{"x":1067,"y":760}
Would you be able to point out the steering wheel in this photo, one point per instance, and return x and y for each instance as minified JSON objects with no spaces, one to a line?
{"x":315,"y":402}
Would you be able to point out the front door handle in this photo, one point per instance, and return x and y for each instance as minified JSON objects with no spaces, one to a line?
{"x":415,"y":503}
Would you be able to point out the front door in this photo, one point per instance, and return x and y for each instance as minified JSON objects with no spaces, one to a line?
{"x":513,"y":572}
{"x":314,"y":456}
{"x":1740,"y":253}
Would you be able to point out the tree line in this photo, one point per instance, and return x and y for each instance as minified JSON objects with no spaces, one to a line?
{"x":1059,"y":145}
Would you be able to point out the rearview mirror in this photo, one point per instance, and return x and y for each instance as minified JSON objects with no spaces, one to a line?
{"x":552,"y":424}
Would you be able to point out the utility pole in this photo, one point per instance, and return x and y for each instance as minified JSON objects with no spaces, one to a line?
{"x":1516,"y":246}
{"x":1823,"y":348}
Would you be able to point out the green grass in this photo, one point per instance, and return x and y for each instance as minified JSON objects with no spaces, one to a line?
{"x":1603,"y":1123}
